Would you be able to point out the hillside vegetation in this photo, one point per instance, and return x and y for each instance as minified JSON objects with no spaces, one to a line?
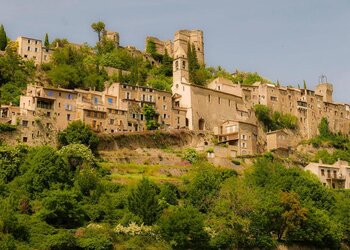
{"x":75,"y":198}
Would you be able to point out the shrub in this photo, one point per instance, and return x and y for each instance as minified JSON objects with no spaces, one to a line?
{"x":5,"y":127}
{"x":183,"y":227}
{"x":191,"y":155}
{"x":143,"y":201}
{"x":78,"y":132}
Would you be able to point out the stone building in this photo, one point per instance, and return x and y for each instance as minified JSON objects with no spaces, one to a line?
{"x":112,"y":36}
{"x":33,"y":49}
{"x":162,"y":45}
{"x":333,"y":176}
{"x":278,"y":139}
{"x":240,"y":137}
{"x":119,"y":108}
{"x":309,"y":106}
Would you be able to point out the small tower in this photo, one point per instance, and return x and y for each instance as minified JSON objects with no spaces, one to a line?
{"x":180,"y":69}
{"x":325,"y":89}
{"x":112,"y":36}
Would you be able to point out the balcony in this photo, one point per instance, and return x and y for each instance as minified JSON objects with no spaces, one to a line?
{"x":229,"y":137}
{"x":302,"y":104}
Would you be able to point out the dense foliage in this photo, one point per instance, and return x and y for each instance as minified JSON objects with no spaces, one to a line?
{"x":274,"y":120}
{"x":78,"y":132}
{"x":339,"y":144}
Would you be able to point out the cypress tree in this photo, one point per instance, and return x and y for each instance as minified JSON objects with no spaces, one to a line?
{"x":47,"y":43}
{"x":3,"y":38}
{"x":193,"y":64}
{"x":305,"y":85}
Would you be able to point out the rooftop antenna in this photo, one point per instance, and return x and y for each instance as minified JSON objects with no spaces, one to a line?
{"x":322,"y":79}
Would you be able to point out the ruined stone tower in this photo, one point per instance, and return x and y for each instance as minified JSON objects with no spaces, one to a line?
{"x":112,"y":36}
{"x":183,"y":37}
{"x":181,"y":40}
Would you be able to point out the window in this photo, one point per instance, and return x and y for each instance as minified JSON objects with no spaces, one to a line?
{"x":151,"y":98}
{"x":164,"y":116}
{"x":25,"y":123}
{"x":219,"y":87}
{"x":68,"y":117}
{"x":96,"y":100}
{"x":273,"y":98}
{"x":36,"y":49}
{"x":28,"y":41}
{"x":209,"y":98}
{"x":69,"y":96}
{"x":244,"y":145}
{"x":143,"y":97}
{"x":322,"y":172}
{"x":176,"y":65}
{"x":68,"y":107}
{"x":127,"y":95}
{"x":164,"y":98}
{"x":110,"y":100}
{"x":25,"y":139}
{"x":244,"y":137}
{"x":50,"y":93}
{"x":183,"y":65}
{"x":111,"y":121}
{"x":164,"y":107}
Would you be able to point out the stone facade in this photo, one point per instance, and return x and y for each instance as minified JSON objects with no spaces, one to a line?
{"x":333,"y":176}
{"x":162,"y":45}
{"x":33,"y":49}
{"x":278,"y":139}
{"x":216,"y":108}
{"x":119,"y":108}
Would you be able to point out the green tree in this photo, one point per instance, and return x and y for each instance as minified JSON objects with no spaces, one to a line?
{"x":150,"y":115}
{"x":304,"y":82}
{"x":98,"y":27}
{"x":143,"y":201}
{"x":46,"y":42}
{"x":151,"y":47}
{"x":262,"y":112}
{"x":10,"y":160}
{"x":61,"y":208}
{"x":3,"y":38}
{"x":79,"y":133}
{"x":43,"y":169}
{"x":183,"y":227}
{"x":323,"y":128}
{"x":204,"y":187}
{"x":293,"y":214}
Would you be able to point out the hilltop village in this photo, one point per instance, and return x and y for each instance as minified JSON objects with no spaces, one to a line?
{"x":112,"y":147}
{"x":245,"y":119}
{"x":223,"y":108}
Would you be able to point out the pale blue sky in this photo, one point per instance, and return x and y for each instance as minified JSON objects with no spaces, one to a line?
{"x":285,"y":40}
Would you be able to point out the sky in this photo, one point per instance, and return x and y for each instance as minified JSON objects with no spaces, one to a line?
{"x":285,"y":40}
